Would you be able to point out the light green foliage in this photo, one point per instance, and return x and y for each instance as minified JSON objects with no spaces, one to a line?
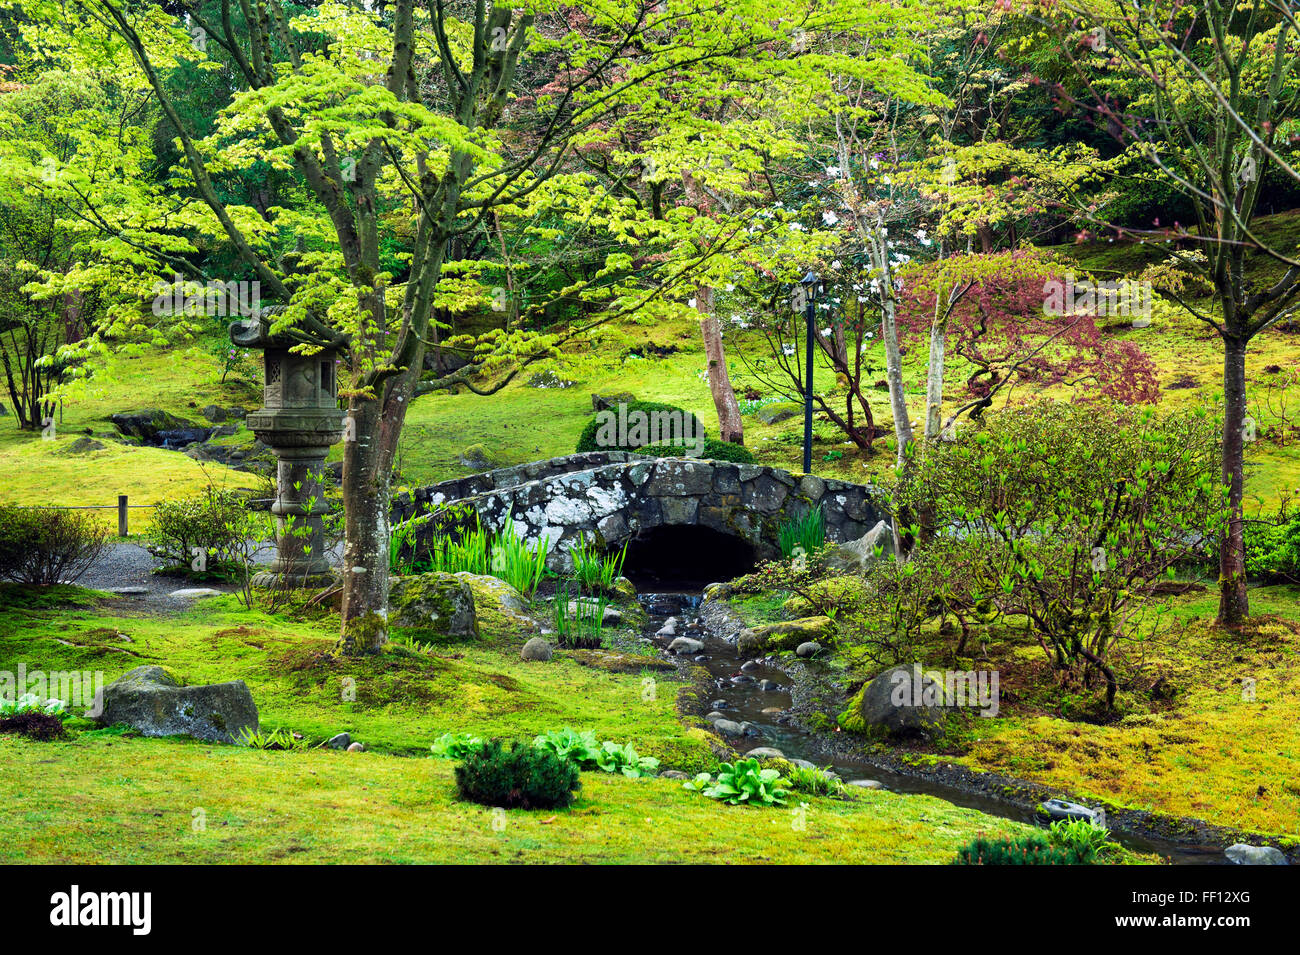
{"x":276,"y":739}
{"x":582,"y":748}
{"x":623,"y":758}
{"x":31,"y":703}
{"x":1064,"y":514}
{"x":813,"y":781}
{"x":744,"y":782}
{"x":583,"y":625}
{"x":806,"y":533}
{"x":518,"y":563}
{"x":456,"y":745}
{"x":1089,"y":839}
{"x":214,"y":526}
{"x":475,"y":550}
{"x":586,"y":752}
{"x":595,"y":571}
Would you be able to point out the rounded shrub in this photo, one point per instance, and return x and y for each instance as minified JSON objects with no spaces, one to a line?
{"x":679,"y":416}
{"x":716,"y":450}
{"x":519,"y":776}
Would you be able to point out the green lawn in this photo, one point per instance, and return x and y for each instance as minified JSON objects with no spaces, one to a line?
{"x":104,"y":797}
{"x":110,"y":800}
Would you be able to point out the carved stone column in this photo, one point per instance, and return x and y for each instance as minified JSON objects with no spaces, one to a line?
{"x":299,"y":420}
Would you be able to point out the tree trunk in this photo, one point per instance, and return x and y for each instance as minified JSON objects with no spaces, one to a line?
{"x":1234,"y":604}
{"x":934,"y":379}
{"x":730,"y":427}
{"x":894,"y":376}
{"x":371,"y":434}
{"x":366,"y":495}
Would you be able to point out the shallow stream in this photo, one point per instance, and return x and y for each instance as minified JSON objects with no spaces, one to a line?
{"x":740,"y":694}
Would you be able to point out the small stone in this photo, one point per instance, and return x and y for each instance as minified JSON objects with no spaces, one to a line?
{"x":702,"y":658}
{"x":719,"y":704}
{"x":866,"y":783}
{"x":673,"y":774}
{"x":537,"y":650}
{"x":1061,"y":809}
{"x":341,"y":741}
{"x":767,"y":686}
{"x":801,"y":763}
{"x":749,"y":666}
{"x":129,"y":591}
{"x":1242,"y":854}
{"x":809,"y":648}
{"x":356,"y":747}
{"x":766,"y":752}
{"x":685,"y":645}
{"x":715,"y":715}
{"x":773,"y":711}
{"x":729,"y":727}
{"x":193,"y":593}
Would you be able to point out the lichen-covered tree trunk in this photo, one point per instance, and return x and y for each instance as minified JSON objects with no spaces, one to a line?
{"x":934,"y":380}
{"x":1234,"y":606}
{"x":366,"y":495}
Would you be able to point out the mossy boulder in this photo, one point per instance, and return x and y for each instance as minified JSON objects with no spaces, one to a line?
{"x":154,"y":701}
{"x":623,"y":589}
{"x":432,"y":605}
{"x":904,"y":702}
{"x":146,"y":424}
{"x":499,"y":606}
{"x":857,"y":556}
{"x":786,"y":635}
{"x":477,"y":457}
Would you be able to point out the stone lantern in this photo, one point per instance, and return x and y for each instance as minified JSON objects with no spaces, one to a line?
{"x":299,"y":420}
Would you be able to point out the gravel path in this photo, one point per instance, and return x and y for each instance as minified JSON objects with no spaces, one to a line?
{"x":127,"y":570}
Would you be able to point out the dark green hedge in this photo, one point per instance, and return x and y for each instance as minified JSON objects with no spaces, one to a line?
{"x":713,"y":449}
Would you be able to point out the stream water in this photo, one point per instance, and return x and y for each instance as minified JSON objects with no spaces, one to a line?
{"x":741,"y":694}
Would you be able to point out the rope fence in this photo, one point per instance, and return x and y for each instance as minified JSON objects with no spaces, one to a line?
{"x":123,"y":508}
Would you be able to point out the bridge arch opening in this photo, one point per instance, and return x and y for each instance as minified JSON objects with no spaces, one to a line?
{"x":685,"y":557}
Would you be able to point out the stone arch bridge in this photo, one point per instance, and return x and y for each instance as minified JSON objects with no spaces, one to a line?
{"x":613,"y":497}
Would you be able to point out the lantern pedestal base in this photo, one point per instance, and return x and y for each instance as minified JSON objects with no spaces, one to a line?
{"x":272,"y":581}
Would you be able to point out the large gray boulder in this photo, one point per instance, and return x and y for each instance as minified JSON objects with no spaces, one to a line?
{"x":1243,"y":854}
{"x":903,"y":702}
{"x":857,"y":556}
{"x":153,"y":701}
{"x":433,"y":604}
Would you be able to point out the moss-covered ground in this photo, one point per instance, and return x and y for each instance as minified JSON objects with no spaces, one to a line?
{"x":1188,"y":738}
{"x":105,"y":796}
{"x":1203,"y":753}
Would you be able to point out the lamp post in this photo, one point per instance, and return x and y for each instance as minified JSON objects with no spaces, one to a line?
{"x":809,"y":284}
